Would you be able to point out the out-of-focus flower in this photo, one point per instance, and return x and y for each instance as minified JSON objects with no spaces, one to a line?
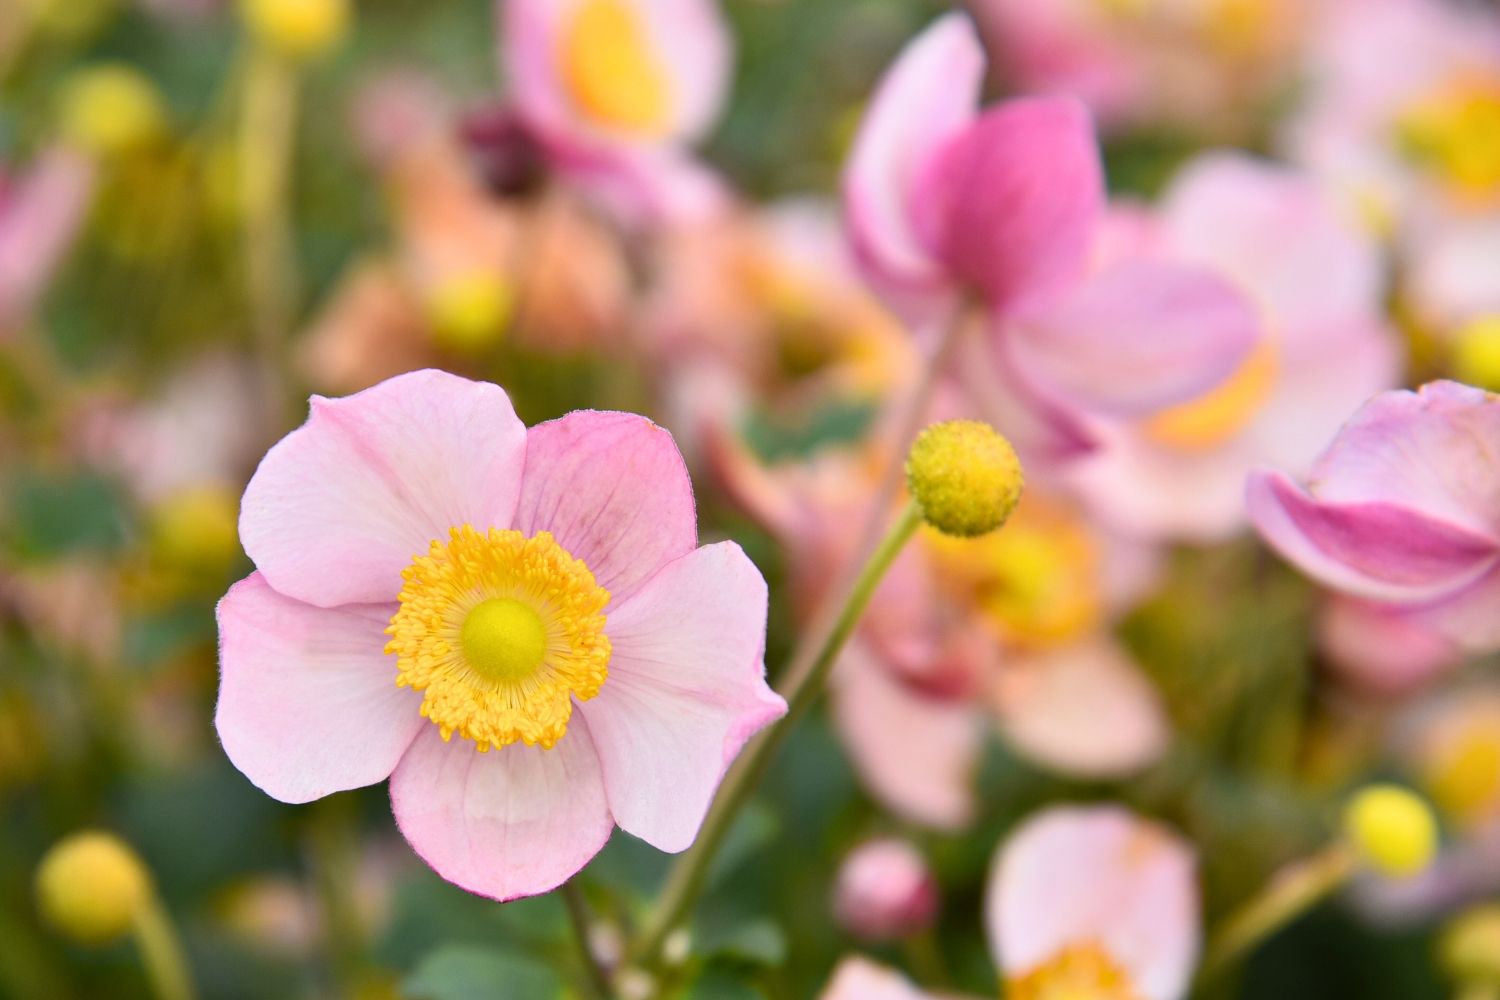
{"x":111,"y":109}
{"x":861,"y":979}
{"x":1324,"y":348}
{"x":614,"y":90}
{"x":964,"y":476}
{"x":1212,"y":65}
{"x":300,"y":29}
{"x":1476,"y":352}
{"x":1094,"y":901}
{"x":1391,"y":830}
{"x":944,"y":201}
{"x":1469,"y":950}
{"x":1380,"y":648}
{"x":885,"y":891}
{"x":1451,"y":744}
{"x":1401,"y":509}
{"x":41,"y":209}
{"x":557,"y":568}
{"x":91,"y":886}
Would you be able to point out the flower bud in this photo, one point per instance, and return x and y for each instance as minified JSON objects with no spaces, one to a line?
{"x":91,"y":886}
{"x":964,"y":476}
{"x":1392,"y":830}
{"x":469,"y":312}
{"x":885,"y":891}
{"x":111,"y":109}
{"x":1469,"y":949}
{"x":298,"y":29}
{"x":1476,"y":353}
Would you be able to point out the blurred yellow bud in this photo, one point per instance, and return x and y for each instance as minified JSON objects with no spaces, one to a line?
{"x":469,"y":313}
{"x":300,"y":29}
{"x":196,"y":528}
{"x":1469,"y":948}
{"x":1392,"y":830}
{"x":91,"y":886}
{"x":964,"y":476}
{"x":1476,"y":353}
{"x":111,"y":109}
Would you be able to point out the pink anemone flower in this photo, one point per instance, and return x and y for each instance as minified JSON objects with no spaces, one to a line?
{"x":1402,"y":509}
{"x":438,"y":588}
{"x":946,"y":202}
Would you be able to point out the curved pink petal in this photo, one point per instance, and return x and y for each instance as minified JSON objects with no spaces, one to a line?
{"x":1011,"y":204}
{"x":339,"y":506}
{"x":686,"y":689}
{"x":1073,"y":876}
{"x":1467,"y":619}
{"x":516,"y":821}
{"x":861,"y":979}
{"x":308,"y":702}
{"x":926,"y":96}
{"x":1140,"y":336}
{"x":1369,"y":549}
{"x":1383,"y":647}
{"x":613,"y":490}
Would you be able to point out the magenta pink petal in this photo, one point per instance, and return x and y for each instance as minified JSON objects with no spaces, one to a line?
{"x":613,"y":490}
{"x":308,"y":702}
{"x":1374,"y":550}
{"x":341,"y":505}
{"x":686,"y":689}
{"x":516,"y":821}
{"x":1138,"y":337}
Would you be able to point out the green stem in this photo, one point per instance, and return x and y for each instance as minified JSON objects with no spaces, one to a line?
{"x":333,"y":849}
{"x":162,"y":954}
{"x":582,"y":921}
{"x":1288,"y":896}
{"x":686,"y":878}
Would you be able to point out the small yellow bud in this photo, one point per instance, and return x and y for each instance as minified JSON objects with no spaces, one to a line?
{"x":964,"y":476}
{"x":1392,"y":830}
{"x":299,"y":29}
{"x":1476,"y":353}
{"x":1469,"y":948}
{"x":91,"y":886}
{"x":111,"y":109}
{"x":196,"y":528}
{"x":469,"y":313}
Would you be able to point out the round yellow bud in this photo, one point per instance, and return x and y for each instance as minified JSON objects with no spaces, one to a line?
{"x":91,"y":886}
{"x":111,"y":109}
{"x":469,"y":313}
{"x":1391,"y":829}
{"x":1469,"y":948}
{"x":1476,"y":353}
{"x":300,"y":29}
{"x":964,"y":476}
{"x":196,"y":528}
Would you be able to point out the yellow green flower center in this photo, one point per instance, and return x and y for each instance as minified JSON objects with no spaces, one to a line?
{"x":1455,"y":133}
{"x":611,"y":69}
{"x":502,"y":633}
{"x":1081,"y":972}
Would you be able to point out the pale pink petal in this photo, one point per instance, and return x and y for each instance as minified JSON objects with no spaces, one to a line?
{"x":917,"y":754}
{"x":1369,"y":549}
{"x":1011,"y":204}
{"x":861,"y":979}
{"x":1085,"y":710}
{"x":612,"y":489}
{"x":696,"y":48}
{"x":1468,"y":619}
{"x":926,"y":96}
{"x":308,"y":702}
{"x":1139,"y":336}
{"x":1073,"y":876}
{"x":686,"y":689}
{"x":516,"y":821}
{"x":341,"y":504}
{"x":39,"y":216}
{"x":1382,"y":647}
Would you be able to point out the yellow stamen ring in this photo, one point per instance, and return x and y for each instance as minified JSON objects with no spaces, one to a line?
{"x":501,"y":632}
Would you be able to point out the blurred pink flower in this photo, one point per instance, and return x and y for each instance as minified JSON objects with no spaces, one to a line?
{"x":944,"y":200}
{"x":861,"y":979}
{"x":615,"y":90}
{"x":885,"y":891}
{"x":1096,"y":900}
{"x":41,"y":210}
{"x":1324,"y":348}
{"x":570,"y":577}
{"x":1401,"y":509}
{"x":1381,"y":648}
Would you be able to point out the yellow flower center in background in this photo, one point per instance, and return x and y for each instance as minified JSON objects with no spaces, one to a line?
{"x":1476,"y":353}
{"x":1455,"y":132}
{"x":1463,"y":775}
{"x":502,"y":632}
{"x":1082,"y":972}
{"x":611,"y":69}
{"x":1223,"y":411}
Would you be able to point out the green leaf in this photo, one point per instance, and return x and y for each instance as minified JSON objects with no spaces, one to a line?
{"x":475,"y":972}
{"x":758,"y":941}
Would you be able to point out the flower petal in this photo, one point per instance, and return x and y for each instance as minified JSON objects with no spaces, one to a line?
{"x":1012,"y":203}
{"x":1137,"y":337}
{"x":1369,"y":549}
{"x":341,"y":504}
{"x":686,"y":689}
{"x":308,"y":702}
{"x":860,"y":979}
{"x":516,"y":821}
{"x":613,"y":490}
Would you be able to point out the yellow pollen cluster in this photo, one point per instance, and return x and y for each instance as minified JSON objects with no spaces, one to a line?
{"x":501,"y":632}
{"x":1082,"y":972}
